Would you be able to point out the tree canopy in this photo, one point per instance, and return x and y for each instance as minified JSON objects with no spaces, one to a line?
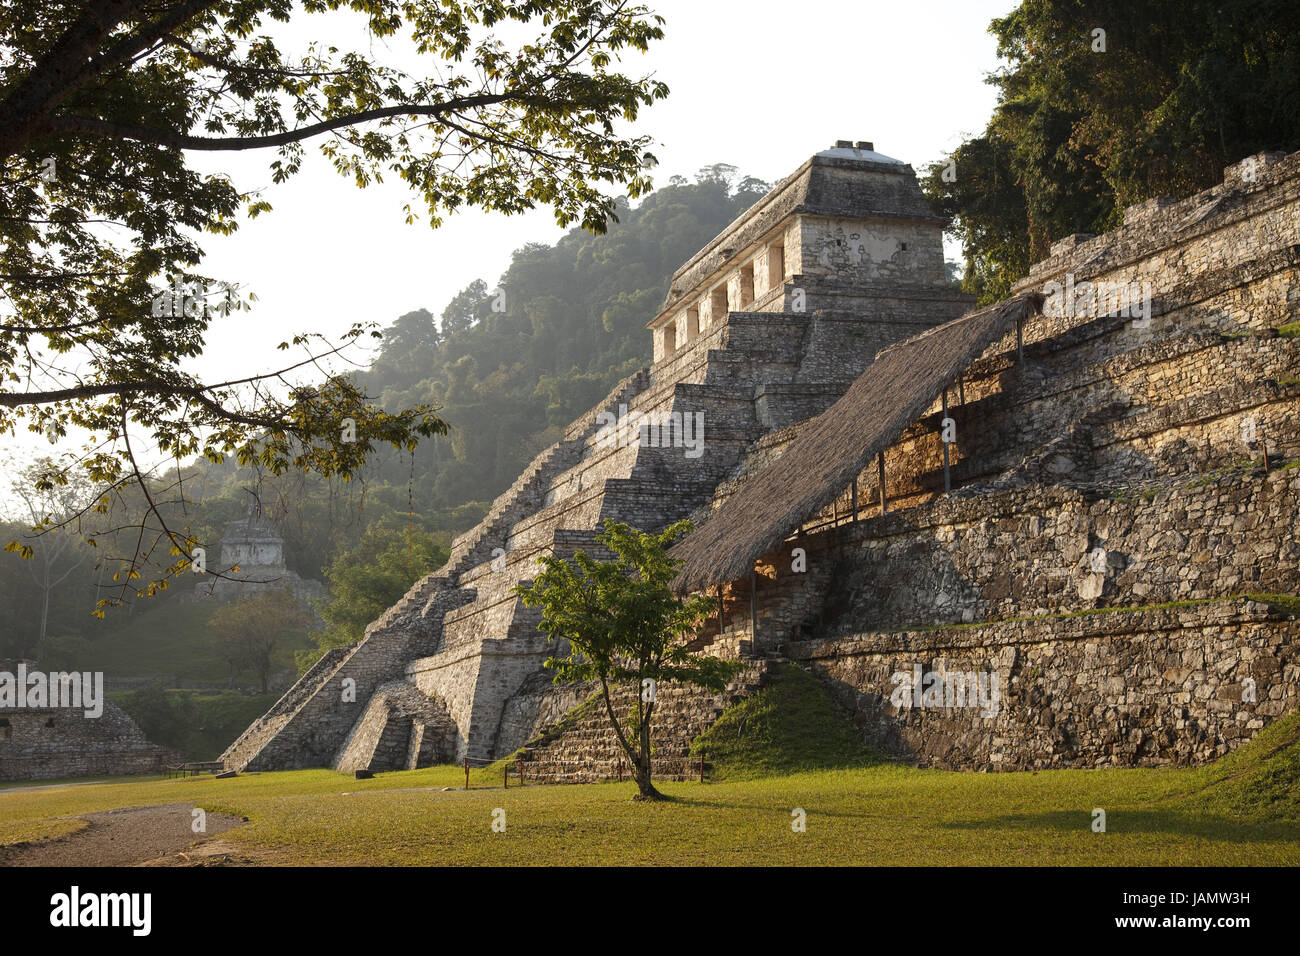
{"x":618,"y":622}
{"x":1108,"y":103}
{"x":510,"y":395}
{"x":101,"y":298}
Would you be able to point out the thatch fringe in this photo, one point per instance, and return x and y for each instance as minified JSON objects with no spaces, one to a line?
{"x":829,"y":451}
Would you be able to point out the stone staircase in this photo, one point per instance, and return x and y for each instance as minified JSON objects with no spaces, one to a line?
{"x":525,"y":496}
{"x":262,"y":730}
{"x":401,"y":729}
{"x":585,"y":749}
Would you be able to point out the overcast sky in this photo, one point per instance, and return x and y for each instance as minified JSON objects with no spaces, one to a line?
{"x":755,"y":83}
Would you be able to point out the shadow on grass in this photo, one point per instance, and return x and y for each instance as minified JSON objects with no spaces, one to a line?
{"x":1169,"y":822}
{"x":783,"y":810}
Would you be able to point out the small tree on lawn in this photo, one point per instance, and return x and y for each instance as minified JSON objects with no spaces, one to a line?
{"x":625,"y":626}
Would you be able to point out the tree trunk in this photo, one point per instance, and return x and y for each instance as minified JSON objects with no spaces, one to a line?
{"x":45,"y":613}
{"x":644,"y":782}
{"x":641,"y":756}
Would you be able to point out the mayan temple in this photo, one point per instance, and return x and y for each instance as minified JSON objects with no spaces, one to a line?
{"x":1080,"y":498}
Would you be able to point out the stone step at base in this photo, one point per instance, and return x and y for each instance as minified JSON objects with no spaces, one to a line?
{"x":589,"y":751}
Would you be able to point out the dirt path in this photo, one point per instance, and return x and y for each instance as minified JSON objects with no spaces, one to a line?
{"x":129,"y":837}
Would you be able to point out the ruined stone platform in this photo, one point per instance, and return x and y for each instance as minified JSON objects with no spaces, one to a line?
{"x":1107,"y":519}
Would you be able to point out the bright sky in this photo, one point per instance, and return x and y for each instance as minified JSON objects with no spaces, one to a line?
{"x":759,"y":84}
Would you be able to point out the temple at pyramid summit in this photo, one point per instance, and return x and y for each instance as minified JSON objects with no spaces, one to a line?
{"x":872,"y":461}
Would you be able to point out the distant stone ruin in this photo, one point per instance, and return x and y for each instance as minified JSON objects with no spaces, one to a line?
{"x":1078,"y":500}
{"x":251,"y":560}
{"x":42,"y":738}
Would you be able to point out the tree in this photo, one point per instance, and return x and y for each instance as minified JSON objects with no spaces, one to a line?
{"x":413,"y":332}
{"x":466,"y":308}
{"x":1108,"y":103}
{"x":56,"y":514}
{"x":101,"y":303}
{"x":623,"y":625}
{"x":250,"y":629}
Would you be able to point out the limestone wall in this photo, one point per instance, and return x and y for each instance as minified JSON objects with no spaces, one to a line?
{"x":1127,"y":688}
{"x":53,"y":743}
{"x":1110,"y":437}
{"x":400,"y":729}
{"x":1051,"y":550}
{"x":1118,"y":465}
{"x":856,"y":251}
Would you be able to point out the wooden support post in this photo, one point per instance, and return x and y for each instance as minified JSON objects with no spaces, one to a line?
{"x":880,"y":470}
{"x":753,"y":613}
{"x":947,"y":478}
{"x":467,"y":773}
{"x":701,"y":768}
{"x":961,"y":389}
{"x":855,"y":498}
{"x":505,"y":777}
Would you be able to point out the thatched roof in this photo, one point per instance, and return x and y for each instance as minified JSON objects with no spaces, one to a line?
{"x":834,"y":447}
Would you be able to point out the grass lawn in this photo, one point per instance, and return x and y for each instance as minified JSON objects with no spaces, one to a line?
{"x":1242,"y":810}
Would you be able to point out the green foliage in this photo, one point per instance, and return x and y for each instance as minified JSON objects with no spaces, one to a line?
{"x":367,"y":580}
{"x":1182,"y":89}
{"x":100,"y":110}
{"x":162,"y":718}
{"x":198,"y":724}
{"x":622,"y":624}
{"x":170,"y":638}
{"x":250,"y":630}
{"x":71,"y":602}
{"x":507,"y":397}
{"x":789,"y":725}
{"x":619,"y":618}
{"x":986,"y":203}
{"x":466,"y":309}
